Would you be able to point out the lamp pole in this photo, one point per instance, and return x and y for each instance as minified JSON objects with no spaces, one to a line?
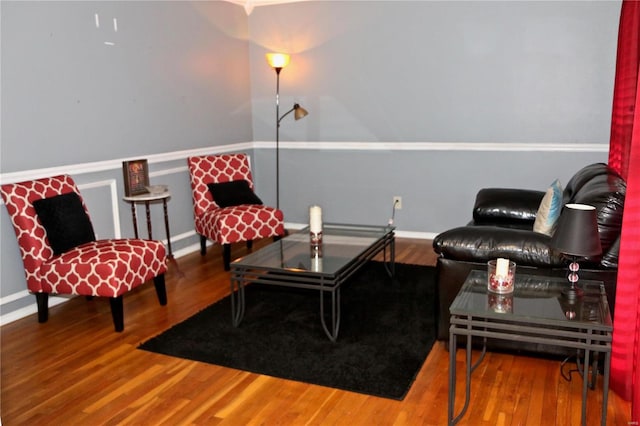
{"x":278,"y":69}
{"x":277,"y":62}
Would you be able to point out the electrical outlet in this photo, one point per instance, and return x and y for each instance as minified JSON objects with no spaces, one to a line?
{"x":397,"y":202}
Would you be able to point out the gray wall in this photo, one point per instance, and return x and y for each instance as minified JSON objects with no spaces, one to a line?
{"x":175,"y":78}
{"x":430,"y":71}
{"x":517,"y":92}
{"x":427,"y":100}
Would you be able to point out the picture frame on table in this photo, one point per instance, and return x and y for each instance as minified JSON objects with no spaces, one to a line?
{"x":136,"y":177}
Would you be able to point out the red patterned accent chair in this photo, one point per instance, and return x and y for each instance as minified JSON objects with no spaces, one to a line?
{"x":232,"y":217}
{"x":43,"y":212}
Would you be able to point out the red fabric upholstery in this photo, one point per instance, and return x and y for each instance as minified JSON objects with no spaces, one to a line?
{"x":626,"y":84}
{"x":228,"y":225}
{"x":107,"y":268}
{"x":624,"y":156}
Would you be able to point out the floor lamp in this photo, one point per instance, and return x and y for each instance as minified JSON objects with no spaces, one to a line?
{"x":278,"y":61}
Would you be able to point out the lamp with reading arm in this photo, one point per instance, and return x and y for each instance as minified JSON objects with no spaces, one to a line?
{"x":577,"y":237}
{"x":278,"y":61}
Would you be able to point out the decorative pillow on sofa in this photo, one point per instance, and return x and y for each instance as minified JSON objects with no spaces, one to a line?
{"x":549,"y":210}
{"x":65,"y":220}
{"x":233,"y":193}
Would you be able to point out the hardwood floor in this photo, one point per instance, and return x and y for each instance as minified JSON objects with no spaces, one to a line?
{"x":75,"y":370}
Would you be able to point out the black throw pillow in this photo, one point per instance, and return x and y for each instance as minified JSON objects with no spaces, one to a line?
{"x":65,"y":220}
{"x":233,"y":193}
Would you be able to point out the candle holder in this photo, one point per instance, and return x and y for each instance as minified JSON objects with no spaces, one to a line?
{"x":500,"y":303}
{"x":316,"y":257}
{"x":501,"y":275}
{"x":315,"y":225}
{"x":315,"y":238}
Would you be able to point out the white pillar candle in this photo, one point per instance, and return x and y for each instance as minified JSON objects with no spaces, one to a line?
{"x":502,"y":267}
{"x":315,"y":219}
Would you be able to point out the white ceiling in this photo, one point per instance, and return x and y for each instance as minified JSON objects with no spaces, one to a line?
{"x":250,"y":4}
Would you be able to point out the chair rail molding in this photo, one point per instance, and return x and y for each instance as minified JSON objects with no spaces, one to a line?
{"x":438,"y":146}
{"x":98,"y":166}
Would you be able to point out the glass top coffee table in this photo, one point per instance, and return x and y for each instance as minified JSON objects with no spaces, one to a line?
{"x":294,"y":262}
{"x":535,"y":312}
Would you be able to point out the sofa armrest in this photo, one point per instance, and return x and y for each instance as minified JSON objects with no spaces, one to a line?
{"x":483,"y":243}
{"x":496,"y":205}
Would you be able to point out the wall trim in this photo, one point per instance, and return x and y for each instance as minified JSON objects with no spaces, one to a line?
{"x":438,"y":146}
{"x":116,"y":164}
{"x":30,"y":309}
{"x":323,"y":146}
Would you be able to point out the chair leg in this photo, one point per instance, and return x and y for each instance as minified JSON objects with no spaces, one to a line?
{"x":117,"y":312}
{"x":276,"y":238}
{"x":161,"y":289}
{"x":226,"y":256}
{"x":42,"y":300}
{"x":249,"y":244}
{"x":203,"y":245}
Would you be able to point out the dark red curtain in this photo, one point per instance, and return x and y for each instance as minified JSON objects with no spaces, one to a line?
{"x":624,"y":156}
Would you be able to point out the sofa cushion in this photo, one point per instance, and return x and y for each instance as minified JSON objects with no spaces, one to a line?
{"x":581,"y":177}
{"x":65,"y":220}
{"x":610,"y":257}
{"x":233,"y":193}
{"x":483,"y":243}
{"x":549,"y":210}
{"x":508,"y":206}
{"x":607,"y":194}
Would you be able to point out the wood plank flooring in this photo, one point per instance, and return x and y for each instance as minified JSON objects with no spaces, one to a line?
{"x":75,"y":370}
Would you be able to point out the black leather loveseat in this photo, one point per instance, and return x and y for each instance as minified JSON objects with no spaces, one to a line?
{"x":502,"y":226}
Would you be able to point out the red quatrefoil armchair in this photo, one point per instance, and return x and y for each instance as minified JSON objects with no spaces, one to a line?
{"x":62,"y":256}
{"x":235,"y":213}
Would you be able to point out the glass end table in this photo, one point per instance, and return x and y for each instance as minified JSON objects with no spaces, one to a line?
{"x":535,"y":312}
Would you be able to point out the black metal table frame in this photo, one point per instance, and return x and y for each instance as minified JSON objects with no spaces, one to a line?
{"x":147,"y":199}
{"x":296,"y":278}
{"x":582,"y":336}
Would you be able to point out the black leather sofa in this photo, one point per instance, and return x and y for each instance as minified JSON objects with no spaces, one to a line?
{"x":502,"y":226}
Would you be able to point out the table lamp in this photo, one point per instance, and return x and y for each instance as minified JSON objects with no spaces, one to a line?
{"x":577,"y":237}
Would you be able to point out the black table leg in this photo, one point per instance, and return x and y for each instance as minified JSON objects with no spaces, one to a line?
{"x":166,"y":226}
{"x":146,"y":205}
{"x":237,"y":300}
{"x":135,"y":219}
{"x":335,"y":312}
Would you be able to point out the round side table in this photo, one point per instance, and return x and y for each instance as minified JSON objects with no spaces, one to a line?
{"x":147,"y":199}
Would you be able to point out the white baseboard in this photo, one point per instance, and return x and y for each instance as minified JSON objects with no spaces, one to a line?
{"x":31,"y":309}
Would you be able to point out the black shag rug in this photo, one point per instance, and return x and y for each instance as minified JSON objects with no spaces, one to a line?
{"x":387,"y":330}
